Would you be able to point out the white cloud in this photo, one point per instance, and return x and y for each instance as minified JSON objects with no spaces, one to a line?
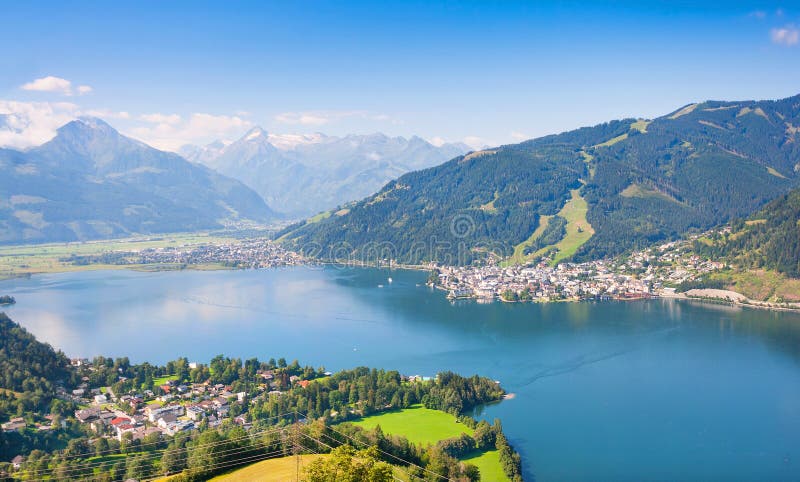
{"x":519,"y":136}
{"x":788,"y":35}
{"x":170,"y":132}
{"x":475,"y":142}
{"x":157,"y":118}
{"x":107,"y":114}
{"x":306,"y":119}
{"x":27,"y":124}
{"x":56,"y":85}
{"x":437,"y":141}
{"x":318,"y":118}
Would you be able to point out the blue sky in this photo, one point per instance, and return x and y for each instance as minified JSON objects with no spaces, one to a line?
{"x":487,"y":72}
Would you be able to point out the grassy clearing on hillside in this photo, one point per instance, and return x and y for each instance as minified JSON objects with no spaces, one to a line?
{"x":418,"y":424}
{"x":686,"y":110}
{"x":44,"y":258}
{"x":319,"y":217}
{"x":775,"y":173}
{"x":519,"y":250}
{"x":612,"y":141}
{"x":578,"y":228}
{"x":578,"y":232}
{"x":638,"y":191}
{"x":489,"y":207}
{"x":272,"y":470}
{"x":588,"y":158}
{"x":641,"y":125}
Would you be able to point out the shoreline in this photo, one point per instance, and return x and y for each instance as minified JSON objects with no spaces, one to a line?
{"x":732,"y":299}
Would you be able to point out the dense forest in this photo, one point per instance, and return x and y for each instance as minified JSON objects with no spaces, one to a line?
{"x":769,"y":239}
{"x":30,"y":372}
{"x":644,"y":181}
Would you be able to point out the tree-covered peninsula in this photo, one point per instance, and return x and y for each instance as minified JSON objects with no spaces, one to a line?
{"x":109,"y":419}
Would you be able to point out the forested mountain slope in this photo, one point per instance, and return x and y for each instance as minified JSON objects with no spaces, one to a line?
{"x":642,"y":181}
{"x":769,"y":239}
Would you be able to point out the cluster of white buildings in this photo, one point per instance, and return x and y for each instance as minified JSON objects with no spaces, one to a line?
{"x":248,"y":253}
{"x":641,"y":274}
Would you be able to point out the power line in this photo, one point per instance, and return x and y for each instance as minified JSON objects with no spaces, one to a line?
{"x":337,"y":441}
{"x":114,"y":451}
{"x":220,"y":465}
{"x":386,"y":453}
{"x":153,"y":455}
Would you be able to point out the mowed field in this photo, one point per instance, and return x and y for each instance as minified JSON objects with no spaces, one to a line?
{"x":273,"y":470}
{"x":423,"y":426}
{"x":46,"y":258}
{"x":420,"y":425}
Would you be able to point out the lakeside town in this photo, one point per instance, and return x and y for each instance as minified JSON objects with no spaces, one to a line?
{"x":252,"y":253}
{"x":668,"y":270}
{"x":652,"y":272}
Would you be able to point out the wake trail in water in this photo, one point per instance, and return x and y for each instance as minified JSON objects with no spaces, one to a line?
{"x":573,"y":365}
{"x":581,"y":361}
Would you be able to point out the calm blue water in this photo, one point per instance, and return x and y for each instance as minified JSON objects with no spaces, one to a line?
{"x":656,"y":390}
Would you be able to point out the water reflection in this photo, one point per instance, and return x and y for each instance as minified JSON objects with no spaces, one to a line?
{"x":652,"y":387}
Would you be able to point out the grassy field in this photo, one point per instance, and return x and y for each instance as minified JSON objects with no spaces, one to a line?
{"x":641,"y":125}
{"x":44,"y":258}
{"x":519,"y":256}
{"x":489,"y":207}
{"x":489,"y":465}
{"x":588,"y":158}
{"x":319,"y":217}
{"x":274,"y":470}
{"x":162,"y":380}
{"x":424,"y":426}
{"x":636,"y":190}
{"x":612,"y":141}
{"x":775,"y":173}
{"x":689,"y":108}
{"x":418,"y":424}
{"x":578,"y":228}
{"x":578,"y":232}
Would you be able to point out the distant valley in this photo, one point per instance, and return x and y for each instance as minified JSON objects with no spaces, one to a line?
{"x":301,"y":175}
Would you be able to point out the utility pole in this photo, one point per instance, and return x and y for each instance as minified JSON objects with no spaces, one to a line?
{"x":296,"y":447}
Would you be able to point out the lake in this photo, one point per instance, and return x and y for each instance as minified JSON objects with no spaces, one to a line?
{"x":655,"y":390}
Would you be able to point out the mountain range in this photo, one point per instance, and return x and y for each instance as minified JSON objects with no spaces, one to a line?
{"x":591,"y":192}
{"x":301,"y":175}
{"x":91,"y":182}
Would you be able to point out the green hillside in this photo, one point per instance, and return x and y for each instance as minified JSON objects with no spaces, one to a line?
{"x":29,"y":374}
{"x":769,"y":239}
{"x":642,"y":182}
